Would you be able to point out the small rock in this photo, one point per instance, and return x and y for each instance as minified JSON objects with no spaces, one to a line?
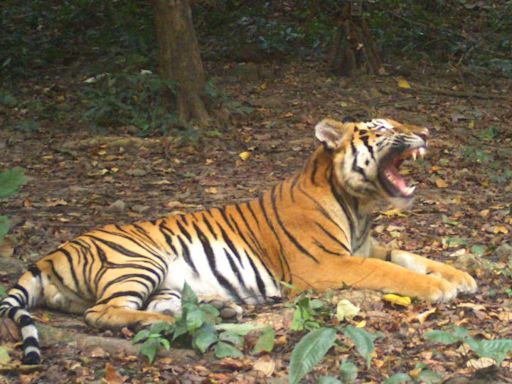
{"x":504,"y":252}
{"x":140,"y":208}
{"x":118,"y":205}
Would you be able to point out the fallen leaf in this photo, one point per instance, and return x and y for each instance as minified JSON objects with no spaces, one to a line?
{"x":480,"y":363}
{"x":402,"y":83}
{"x":499,"y":229}
{"x":244,"y":155}
{"x":346,"y":310}
{"x":440,"y":183}
{"x":111,"y":375}
{"x":7,"y":247}
{"x":423,"y":316}
{"x":403,"y":301}
{"x":265,"y":366}
{"x":4,"y":356}
{"x":393,"y":212}
{"x":212,"y":190}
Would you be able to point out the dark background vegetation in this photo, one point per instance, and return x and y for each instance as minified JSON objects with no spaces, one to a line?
{"x":52,"y":41}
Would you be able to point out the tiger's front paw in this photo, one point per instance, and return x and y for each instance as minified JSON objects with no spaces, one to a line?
{"x":463,"y":281}
{"x":434,"y":289}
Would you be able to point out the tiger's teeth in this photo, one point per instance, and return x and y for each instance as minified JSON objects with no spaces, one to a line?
{"x":410,"y":190}
{"x":414,"y":155}
{"x":422,"y":152}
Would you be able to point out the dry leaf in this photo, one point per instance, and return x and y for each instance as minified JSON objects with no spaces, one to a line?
{"x":393,"y":212}
{"x":481,"y":363}
{"x":402,"y":83}
{"x":403,"y":301}
{"x":499,"y":229}
{"x":244,"y":155}
{"x":98,"y":352}
{"x":440,"y":183}
{"x":212,"y":190}
{"x":346,"y":310}
{"x":265,"y":366}
{"x":111,"y":375}
{"x":423,"y":316}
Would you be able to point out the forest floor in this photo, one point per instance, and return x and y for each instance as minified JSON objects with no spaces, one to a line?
{"x":462,"y":215}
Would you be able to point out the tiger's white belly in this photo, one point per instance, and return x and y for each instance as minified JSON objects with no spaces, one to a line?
{"x":226,"y":275}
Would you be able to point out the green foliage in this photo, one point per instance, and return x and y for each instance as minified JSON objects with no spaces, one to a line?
{"x":128,"y":99}
{"x":10,"y":181}
{"x":199,"y":327}
{"x":497,"y":349}
{"x":4,"y":356}
{"x":398,"y":378}
{"x":309,"y":351}
{"x":348,"y":372}
{"x":308,"y":312}
{"x":3,"y":292}
{"x":363,"y":341}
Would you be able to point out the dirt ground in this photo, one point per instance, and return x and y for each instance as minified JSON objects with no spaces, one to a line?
{"x":462,"y":214}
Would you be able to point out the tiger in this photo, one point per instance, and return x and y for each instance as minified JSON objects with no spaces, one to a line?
{"x":310,"y":231}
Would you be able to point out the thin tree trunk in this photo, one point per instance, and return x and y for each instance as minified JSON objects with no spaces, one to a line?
{"x":180,"y":60}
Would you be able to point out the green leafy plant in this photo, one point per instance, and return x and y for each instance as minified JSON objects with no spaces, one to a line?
{"x":425,"y":376}
{"x":128,"y":99}
{"x":310,"y":350}
{"x":308,"y":312}
{"x":363,"y":341}
{"x":200,"y":326}
{"x":497,"y":349}
{"x":10,"y":181}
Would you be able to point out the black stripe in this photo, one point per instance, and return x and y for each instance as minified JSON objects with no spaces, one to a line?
{"x":319,"y":245}
{"x":314,"y":169}
{"x":34,"y":269}
{"x":208,"y":225}
{"x":282,"y":258}
{"x":22,"y":290}
{"x":259,"y":281}
{"x":183,"y":230}
{"x":30,"y":341}
{"x":287,"y":233}
{"x":334,"y":238}
{"x":365,"y":139}
{"x":186,"y":255}
{"x":20,"y":302}
{"x":225,"y":217}
{"x":229,"y":243}
{"x":167,"y":237}
{"x":210,"y":256}
{"x":356,"y":167}
{"x":73,"y":273}
{"x":25,"y":320}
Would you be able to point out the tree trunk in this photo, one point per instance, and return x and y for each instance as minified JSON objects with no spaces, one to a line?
{"x":353,"y":48}
{"x":180,"y":60}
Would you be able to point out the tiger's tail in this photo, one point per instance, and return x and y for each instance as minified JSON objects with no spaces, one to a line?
{"x":25,"y":294}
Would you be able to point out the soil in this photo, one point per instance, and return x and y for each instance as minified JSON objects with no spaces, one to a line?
{"x":462,"y":214}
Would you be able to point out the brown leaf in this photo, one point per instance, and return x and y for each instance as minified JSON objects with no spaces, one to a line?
{"x":98,"y":352}
{"x":440,"y":183}
{"x":111,"y":375}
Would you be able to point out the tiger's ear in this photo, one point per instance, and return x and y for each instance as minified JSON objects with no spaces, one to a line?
{"x":330,"y":133}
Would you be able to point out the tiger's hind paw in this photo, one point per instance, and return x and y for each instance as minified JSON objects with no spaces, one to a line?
{"x":228,"y":309}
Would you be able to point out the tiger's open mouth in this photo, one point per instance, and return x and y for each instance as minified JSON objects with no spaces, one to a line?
{"x":391,"y":180}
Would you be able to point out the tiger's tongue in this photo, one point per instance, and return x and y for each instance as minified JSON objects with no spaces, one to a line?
{"x":396,"y":179}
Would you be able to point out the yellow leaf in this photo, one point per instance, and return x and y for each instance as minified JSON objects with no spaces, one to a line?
{"x":263,"y":86}
{"x":402,"y":83}
{"x":211,"y":190}
{"x":361,"y":324}
{"x":440,"y":183}
{"x":244,"y":155}
{"x":393,"y":212}
{"x":500,"y":229}
{"x":403,"y":301}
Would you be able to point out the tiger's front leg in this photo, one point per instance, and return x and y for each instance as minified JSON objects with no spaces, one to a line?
{"x":462,"y":281}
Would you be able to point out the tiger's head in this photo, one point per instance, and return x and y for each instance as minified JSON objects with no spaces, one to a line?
{"x":366,"y":156}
